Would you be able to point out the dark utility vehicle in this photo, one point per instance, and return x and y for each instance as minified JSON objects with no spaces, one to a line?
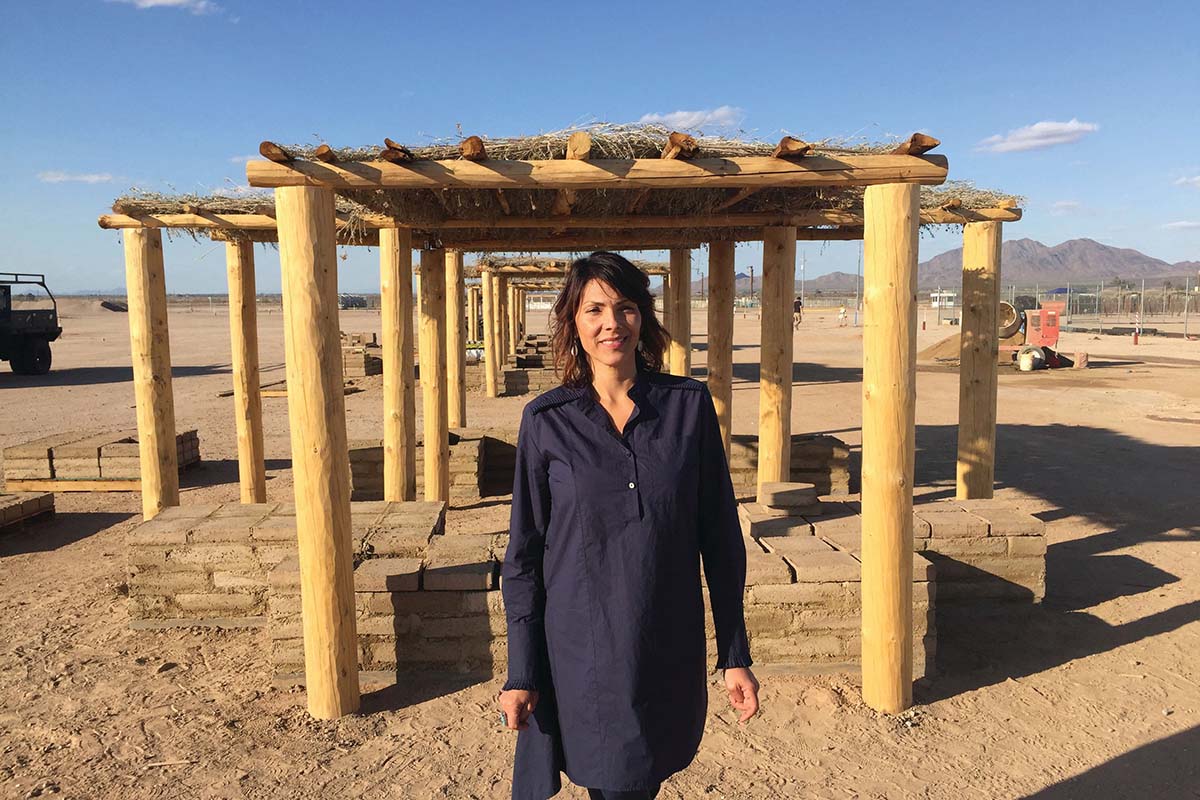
{"x":25,"y":335}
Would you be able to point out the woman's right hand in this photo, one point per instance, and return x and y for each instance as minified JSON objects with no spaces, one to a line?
{"x":517,"y":705}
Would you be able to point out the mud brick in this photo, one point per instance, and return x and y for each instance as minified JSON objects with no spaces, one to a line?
{"x":759,"y":510}
{"x":284,"y":606}
{"x":221,"y":529}
{"x":158,"y":532}
{"x":475,"y":626}
{"x":948,"y":522}
{"x":237,"y":580}
{"x":429,"y":514}
{"x":766,"y":569}
{"x":960,"y":592}
{"x":823,"y":619}
{"x":924,"y":569}
{"x":985,"y":568}
{"x":787,"y":494}
{"x":795,"y":545}
{"x":460,"y":563}
{"x":1007,"y":521}
{"x":764,"y":527}
{"x":286,"y":574}
{"x":423,"y":604}
{"x":156,"y":557}
{"x":846,"y":541}
{"x":807,"y":594}
{"x":768,"y":620}
{"x":388,"y":574}
{"x":147,"y":607}
{"x":795,"y":648}
{"x":220,"y":603}
{"x":285,"y":510}
{"x":292,"y":629}
{"x":825,"y":526}
{"x":168,"y":583}
{"x":42,"y":448}
{"x":1027,"y":545}
{"x":120,"y":468}
{"x":921,"y":527}
{"x":256,"y":510}
{"x":274,"y":529}
{"x":27,"y":468}
{"x":499,"y":546}
{"x":269,"y":555}
{"x":217,"y":555}
{"x":32,"y":504}
{"x":77,"y":468}
{"x":398,"y":543}
{"x":388,"y":626}
{"x":987,"y":546}
{"x":197,"y":511}
{"x":825,"y":567}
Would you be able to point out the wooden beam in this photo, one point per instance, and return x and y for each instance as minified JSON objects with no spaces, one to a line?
{"x":679,"y":145}
{"x":456,"y":353}
{"x":433,"y":375}
{"x":150,"y":347}
{"x":563,"y":200}
{"x":243,"y":339}
{"x":735,"y":197}
{"x":320,"y":455}
{"x":681,"y":311}
{"x":503,"y":201}
{"x":791,"y":148}
{"x":399,"y":398}
{"x":637,"y":199}
{"x":472,"y":149}
{"x":274,"y":153}
{"x":917,"y":144}
{"x":491,"y":372}
{"x":775,"y":382}
{"x":888,"y":436}
{"x":764,"y":171}
{"x":719,"y":356}
{"x":579,"y":146}
{"x":71,"y":485}
{"x":977,"y":377}
{"x":325,"y":153}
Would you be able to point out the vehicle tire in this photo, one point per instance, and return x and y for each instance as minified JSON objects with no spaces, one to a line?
{"x":33,"y":359}
{"x":1010,"y":320}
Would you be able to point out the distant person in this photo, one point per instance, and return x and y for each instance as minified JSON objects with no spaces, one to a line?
{"x":797,"y":312}
{"x":842,"y":317}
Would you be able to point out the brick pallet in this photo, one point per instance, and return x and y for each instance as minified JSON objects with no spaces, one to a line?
{"x":87,"y":456}
{"x":361,"y":361}
{"x":983,"y":549}
{"x":16,"y":510}
{"x":823,"y":461}
{"x":208,"y":564}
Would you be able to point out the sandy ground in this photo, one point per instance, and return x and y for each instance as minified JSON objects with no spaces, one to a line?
{"x":1094,"y":693}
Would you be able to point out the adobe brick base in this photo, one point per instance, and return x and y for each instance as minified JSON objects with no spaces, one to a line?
{"x":88,"y":455}
{"x":16,"y":510}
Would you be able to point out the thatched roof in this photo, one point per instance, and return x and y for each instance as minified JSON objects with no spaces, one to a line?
{"x":458,"y":217}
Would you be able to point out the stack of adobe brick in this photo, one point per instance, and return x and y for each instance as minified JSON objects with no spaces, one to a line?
{"x":208,"y":564}
{"x":361,"y":355}
{"x":983,"y":549}
{"x":823,"y":461}
{"x":466,"y":466}
{"x":23,"y":507}
{"x":83,"y":455}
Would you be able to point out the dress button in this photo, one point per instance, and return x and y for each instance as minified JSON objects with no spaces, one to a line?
{"x":632,"y":485}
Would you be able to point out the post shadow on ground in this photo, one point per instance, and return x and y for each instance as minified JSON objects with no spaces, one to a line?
{"x":802,"y":372}
{"x":222,"y":471}
{"x":51,"y":532}
{"x":1167,"y":768}
{"x":985,"y":643}
{"x":91,"y":376}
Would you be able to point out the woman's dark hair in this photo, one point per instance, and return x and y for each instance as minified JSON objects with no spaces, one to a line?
{"x":626,"y":280}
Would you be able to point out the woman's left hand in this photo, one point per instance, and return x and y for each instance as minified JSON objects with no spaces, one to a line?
{"x":743,"y":691}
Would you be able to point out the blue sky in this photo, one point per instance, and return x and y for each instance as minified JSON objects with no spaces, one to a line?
{"x":1092,"y":114}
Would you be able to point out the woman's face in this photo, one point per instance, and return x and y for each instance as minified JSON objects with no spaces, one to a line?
{"x":608,"y":326}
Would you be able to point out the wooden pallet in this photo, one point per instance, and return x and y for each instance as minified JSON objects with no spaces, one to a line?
{"x":73,"y":485}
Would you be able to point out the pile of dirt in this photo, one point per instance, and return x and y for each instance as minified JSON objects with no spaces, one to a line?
{"x":944,"y":352}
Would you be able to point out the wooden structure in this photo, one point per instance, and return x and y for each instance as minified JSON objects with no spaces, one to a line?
{"x":577,"y":190}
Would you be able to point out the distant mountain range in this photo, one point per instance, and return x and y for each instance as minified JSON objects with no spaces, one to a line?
{"x":1024,"y":262}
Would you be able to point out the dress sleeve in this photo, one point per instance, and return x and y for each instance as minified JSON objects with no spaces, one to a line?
{"x":721,"y":545}
{"x":522,"y":584}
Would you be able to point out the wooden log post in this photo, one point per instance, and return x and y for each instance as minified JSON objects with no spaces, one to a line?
{"x":320,"y":456}
{"x":510,"y":306}
{"x":667,"y":323}
{"x":504,"y":337}
{"x":977,"y":362}
{"x":775,"y":383}
{"x":243,"y":338}
{"x":888,"y":436}
{"x":473,"y":313}
{"x":434,"y":396}
{"x":491,"y":372}
{"x":399,"y":392}
{"x":720,"y":333}
{"x":521,"y":309}
{"x":681,"y":311}
{"x":150,"y":346}
{"x":456,"y":351}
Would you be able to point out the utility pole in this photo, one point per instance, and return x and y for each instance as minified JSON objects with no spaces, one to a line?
{"x":751,"y":284}
{"x":803,"y":260}
{"x":1100,"y":308}
{"x":1068,"y":302}
{"x":857,"y":281}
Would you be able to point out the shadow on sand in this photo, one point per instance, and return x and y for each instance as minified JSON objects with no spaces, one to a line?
{"x":58,"y":530}
{"x":90,"y":376}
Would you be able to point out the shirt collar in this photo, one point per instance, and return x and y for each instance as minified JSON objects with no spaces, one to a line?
{"x":643,"y":407}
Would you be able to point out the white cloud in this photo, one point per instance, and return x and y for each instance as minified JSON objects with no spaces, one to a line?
{"x":55,"y":176}
{"x":1192,"y":181}
{"x":1037,"y":136}
{"x":1062,"y":208}
{"x":1184,"y":225}
{"x":242,"y":159}
{"x":242,"y":190}
{"x":723,"y":117}
{"x":194,"y":6}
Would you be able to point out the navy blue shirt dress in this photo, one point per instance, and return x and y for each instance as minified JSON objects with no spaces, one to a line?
{"x":601,"y":584}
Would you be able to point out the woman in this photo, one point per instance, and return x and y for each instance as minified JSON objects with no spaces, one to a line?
{"x":621,"y":489}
